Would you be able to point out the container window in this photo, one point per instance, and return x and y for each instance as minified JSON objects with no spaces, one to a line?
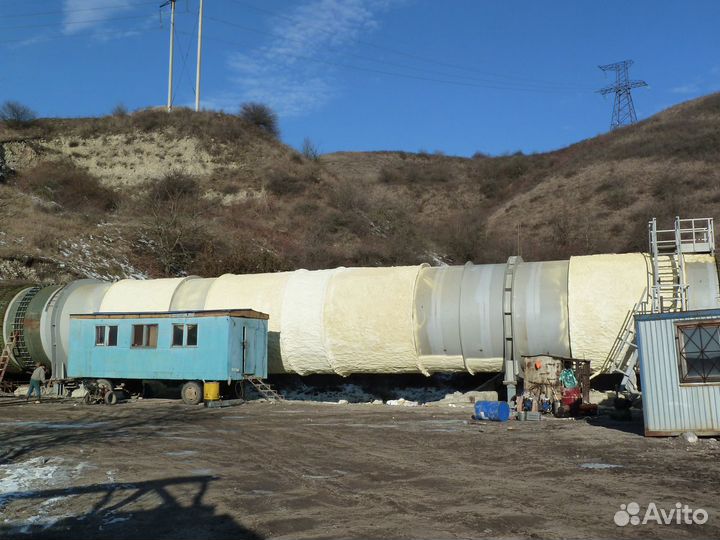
{"x":145,"y":335}
{"x":699,"y":352}
{"x":112,"y":336}
{"x":99,"y":336}
{"x":152,"y":335}
{"x":192,"y":335}
{"x":138,"y":332}
{"x":178,"y":335}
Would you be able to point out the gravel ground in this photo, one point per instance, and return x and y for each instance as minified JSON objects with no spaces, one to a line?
{"x":160,"y":469}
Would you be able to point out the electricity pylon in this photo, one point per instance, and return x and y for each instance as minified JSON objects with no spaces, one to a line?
{"x":623,"y":108}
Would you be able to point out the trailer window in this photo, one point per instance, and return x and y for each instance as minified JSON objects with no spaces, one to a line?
{"x":192,"y":334}
{"x":112,"y":336}
{"x":699,"y":352}
{"x":99,"y":336}
{"x":178,"y":335}
{"x":145,"y":335}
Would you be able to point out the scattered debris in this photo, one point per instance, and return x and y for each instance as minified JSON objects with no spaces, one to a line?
{"x":690,"y":437}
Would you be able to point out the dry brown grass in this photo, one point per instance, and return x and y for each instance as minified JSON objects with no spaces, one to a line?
{"x":69,"y":187}
{"x":263,"y":207}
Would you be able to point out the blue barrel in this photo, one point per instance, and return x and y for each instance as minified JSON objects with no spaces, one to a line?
{"x":497,"y":411}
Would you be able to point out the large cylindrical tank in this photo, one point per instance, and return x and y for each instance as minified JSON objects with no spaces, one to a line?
{"x":409,"y":319}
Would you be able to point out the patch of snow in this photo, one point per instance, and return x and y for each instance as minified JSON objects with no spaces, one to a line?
{"x":402,"y":402}
{"x":348,"y":393}
{"x":181,"y":453}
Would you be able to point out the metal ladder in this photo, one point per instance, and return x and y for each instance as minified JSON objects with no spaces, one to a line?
{"x":6,"y":355}
{"x":264,"y":389}
{"x":669,"y":290}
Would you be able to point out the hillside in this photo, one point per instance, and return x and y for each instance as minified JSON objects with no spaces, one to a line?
{"x":151,"y":194}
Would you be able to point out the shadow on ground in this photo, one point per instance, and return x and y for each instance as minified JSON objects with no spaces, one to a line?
{"x":634,"y":426}
{"x":168,"y":508}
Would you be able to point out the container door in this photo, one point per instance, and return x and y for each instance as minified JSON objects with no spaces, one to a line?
{"x":247,"y":350}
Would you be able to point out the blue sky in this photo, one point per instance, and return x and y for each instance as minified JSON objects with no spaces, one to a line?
{"x":458,"y":76}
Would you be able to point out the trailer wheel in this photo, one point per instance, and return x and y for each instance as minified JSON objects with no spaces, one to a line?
{"x":191,"y":393}
{"x":106,"y":383}
{"x":111,"y":398}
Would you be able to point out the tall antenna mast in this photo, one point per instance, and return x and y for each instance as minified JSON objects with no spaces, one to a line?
{"x":623,"y":108}
{"x":171,"y":3}
{"x":199,"y":57}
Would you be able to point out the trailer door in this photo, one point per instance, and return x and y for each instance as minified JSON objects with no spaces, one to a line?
{"x":248,"y":342}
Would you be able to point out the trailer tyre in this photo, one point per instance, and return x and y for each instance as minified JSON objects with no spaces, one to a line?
{"x":191,"y":393}
{"x":239,"y":390}
{"x":111,"y":398}
{"x":106,"y":383}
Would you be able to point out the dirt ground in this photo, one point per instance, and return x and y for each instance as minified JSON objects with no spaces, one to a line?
{"x":160,"y":469}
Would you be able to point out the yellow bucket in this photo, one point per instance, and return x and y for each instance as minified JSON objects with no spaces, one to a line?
{"x":212,"y":391}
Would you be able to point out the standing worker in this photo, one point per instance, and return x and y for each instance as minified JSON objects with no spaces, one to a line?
{"x":37,"y":377}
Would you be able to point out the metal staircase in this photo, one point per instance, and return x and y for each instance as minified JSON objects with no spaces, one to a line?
{"x":668,"y":288}
{"x":264,"y":389}
{"x":622,"y":357}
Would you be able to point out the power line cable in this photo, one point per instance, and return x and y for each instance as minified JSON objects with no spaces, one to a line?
{"x":415,"y":56}
{"x":68,"y":36}
{"x":185,"y":58}
{"x":527,"y":86}
{"x":401,"y":75}
{"x":86,"y":21}
{"x":76,"y":10}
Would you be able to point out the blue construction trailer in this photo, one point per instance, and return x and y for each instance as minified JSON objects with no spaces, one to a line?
{"x":190,"y":347}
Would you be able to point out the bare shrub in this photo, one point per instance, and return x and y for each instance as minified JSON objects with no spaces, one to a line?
{"x":174,"y":186}
{"x":349,"y":196}
{"x":413,"y":172}
{"x":461,"y":238}
{"x":120,"y":110}
{"x":310,"y":150}
{"x":289,"y":182}
{"x":69,"y":186}
{"x":239,"y":254}
{"x":261,"y":116}
{"x":173,"y":222}
{"x":17,"y":115}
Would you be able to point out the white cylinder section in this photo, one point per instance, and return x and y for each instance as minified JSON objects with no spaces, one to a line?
{"x":138,"y":296}
{"x":481,"y":321}
{"x":702,"y":279}
{"x":302,"y":335}
{"x":601,"y":291}
{"x":369,"y":326}
{"x":540,"y":309}
{"x":437,"y":319}
{"x":261,"y":292}
{"x":191,"y":294}
{"x":83,"y":296}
